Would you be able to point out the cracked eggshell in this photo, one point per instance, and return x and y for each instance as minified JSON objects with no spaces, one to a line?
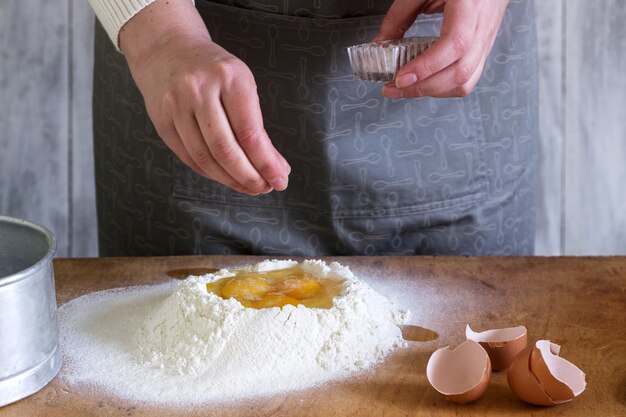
{"x":539,"y":376}
{"x":561,"y":379}
{"x":522,"y":381}
{"x":502,"y":345}
{"x":462,"y":374}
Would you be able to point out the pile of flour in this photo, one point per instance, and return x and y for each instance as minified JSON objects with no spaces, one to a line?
{"x":185,"y":345}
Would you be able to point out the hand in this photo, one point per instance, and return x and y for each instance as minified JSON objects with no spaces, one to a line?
{"x":452,"y":66}
{"x":201,"y":99}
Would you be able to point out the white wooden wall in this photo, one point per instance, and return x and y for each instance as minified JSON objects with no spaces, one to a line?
{"x":46,"y":162}
{"x":582,"y":56}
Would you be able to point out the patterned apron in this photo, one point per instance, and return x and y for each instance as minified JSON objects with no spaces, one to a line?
{"x":370,"y":175}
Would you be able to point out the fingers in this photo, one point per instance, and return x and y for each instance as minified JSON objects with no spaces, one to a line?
{"x":217,"y":130}
{"x":457,"y":36}
{"x":456,"y":80}
{"x":454,"y":64}
{"x":457,"y":91}
{"x":222,"y":149}
{"x":244,"y":115}
{"x":204,"y":104}
{"x":228,"y":139}
{"x":197,"y":155}
{"x":173,"y":140}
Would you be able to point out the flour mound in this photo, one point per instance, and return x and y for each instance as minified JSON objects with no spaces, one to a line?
{"x":197,"y":332}
{"x":176,"y":344}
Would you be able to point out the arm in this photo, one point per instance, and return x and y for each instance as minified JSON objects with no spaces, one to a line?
{"x":454,"y":64}
{"x":201,"y":99}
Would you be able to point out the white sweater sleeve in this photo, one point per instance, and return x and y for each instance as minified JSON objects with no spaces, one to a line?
{"x":113,"y":14}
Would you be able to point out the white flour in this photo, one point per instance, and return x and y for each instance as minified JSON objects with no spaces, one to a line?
{"x":189,"y":346}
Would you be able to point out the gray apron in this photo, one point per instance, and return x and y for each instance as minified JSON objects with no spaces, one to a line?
{"x":370,"y":175}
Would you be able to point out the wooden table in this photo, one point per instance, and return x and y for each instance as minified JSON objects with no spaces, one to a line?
{"x":579,"y":303}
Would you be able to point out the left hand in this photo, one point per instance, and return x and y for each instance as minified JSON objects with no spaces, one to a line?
{"x":452,"y":66}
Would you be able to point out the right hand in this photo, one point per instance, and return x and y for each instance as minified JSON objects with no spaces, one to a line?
{"x":202,"y":100}
{"x":452,"y":66}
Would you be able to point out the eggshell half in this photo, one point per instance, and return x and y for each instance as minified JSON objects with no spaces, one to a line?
{"x":462,"y":374}
{"x":502,"y":345}
{"x":539,"y":376}
{"x":561,"y":379}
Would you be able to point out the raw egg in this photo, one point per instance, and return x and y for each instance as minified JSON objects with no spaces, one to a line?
{"x":538,"y":375}
{"x":462,"y":374}
{"x":278,"y":288}
{"x":502,"y":345}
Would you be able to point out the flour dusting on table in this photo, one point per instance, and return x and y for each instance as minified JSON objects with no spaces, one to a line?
{"x":182,"y":345}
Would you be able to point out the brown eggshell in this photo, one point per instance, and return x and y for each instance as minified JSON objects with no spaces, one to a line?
{"x":561,"y":379}
{"x":462,"y":374}
{"x":523,"y":382}
{"x":502,"y":345}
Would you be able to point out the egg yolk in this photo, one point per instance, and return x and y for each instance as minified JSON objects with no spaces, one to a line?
{"x":275,"y":300}
{"x":278,"y":288}
{"x":299,"y":286}
{"x":246,"y":288}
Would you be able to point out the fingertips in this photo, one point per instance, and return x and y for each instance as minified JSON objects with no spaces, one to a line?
{"x":175,"y":143}
{"x":456,"y":80}
{"x":391,"y":91}
{"x":406,"y":80}
{"x":280,"y":182}
{"x":244,"y":115}
{"x":275,"y":172}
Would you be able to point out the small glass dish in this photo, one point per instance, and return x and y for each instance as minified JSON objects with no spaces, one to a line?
{"x":381,"y":61}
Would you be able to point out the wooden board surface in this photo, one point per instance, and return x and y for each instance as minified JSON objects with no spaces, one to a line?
{"x":579,"y":303}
